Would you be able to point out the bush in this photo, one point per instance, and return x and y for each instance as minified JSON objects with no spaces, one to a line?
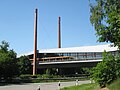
{"x":107,"y":70}
{"x":25,"y":76}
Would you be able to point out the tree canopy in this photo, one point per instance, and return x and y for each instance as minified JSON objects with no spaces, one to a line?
{"x":105,"y":17}
{"x":25,"y":66}
{"x":8,"y":62}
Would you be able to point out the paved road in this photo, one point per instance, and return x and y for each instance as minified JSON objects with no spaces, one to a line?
{"x":43,"y":86}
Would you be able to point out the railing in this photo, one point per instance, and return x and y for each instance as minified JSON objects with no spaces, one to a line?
{"x":64,"y":60}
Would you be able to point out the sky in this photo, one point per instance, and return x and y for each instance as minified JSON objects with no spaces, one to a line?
{"x":17,"y":24}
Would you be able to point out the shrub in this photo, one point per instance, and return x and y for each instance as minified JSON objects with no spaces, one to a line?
{"x":107,"y":70}
{"x":25,"y":76}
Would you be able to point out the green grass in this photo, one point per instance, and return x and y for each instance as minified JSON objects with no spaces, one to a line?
{"x":115,"y":85}
{"x":83,"y":87}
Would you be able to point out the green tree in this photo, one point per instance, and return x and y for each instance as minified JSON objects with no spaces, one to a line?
{"x":8,"y":62}
{"x":25,"y":66}
{"x":107,"y":70}
{"x":117,"y":66}
{"x":105,"y":17}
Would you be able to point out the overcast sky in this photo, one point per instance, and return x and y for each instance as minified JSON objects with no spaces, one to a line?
{"x":17,"y":24}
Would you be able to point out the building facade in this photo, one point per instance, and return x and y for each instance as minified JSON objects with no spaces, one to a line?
{"x":71,"y":59}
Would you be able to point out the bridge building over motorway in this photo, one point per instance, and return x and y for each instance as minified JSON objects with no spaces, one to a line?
{"x":71,"y":58}
{"x":65,"y":60}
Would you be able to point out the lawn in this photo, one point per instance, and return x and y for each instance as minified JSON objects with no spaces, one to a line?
{"x":113,"y":86}
{"x":83,"y":87}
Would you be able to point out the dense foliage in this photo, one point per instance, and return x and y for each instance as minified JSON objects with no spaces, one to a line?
{"x":107,"y":70}
{"x":105,"y":17}
{"x":25,"y":66}
{"x":10,"y":65}
{"x":8,"y":62}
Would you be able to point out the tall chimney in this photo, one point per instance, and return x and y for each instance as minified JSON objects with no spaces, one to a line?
{"x":35,"y":42}
{"x":59,"y":34}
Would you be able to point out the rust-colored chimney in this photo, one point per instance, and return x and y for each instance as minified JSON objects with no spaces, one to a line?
{"x":59,"y":34}
{"x":35,"y":43}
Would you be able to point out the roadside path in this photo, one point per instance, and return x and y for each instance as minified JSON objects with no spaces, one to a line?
{"x":43,"y":86}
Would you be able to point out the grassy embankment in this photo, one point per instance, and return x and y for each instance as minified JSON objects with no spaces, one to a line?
{"x":113,"y":86}
{"x":83,"y":87}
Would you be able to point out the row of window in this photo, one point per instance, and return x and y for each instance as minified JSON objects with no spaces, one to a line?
{"x":78,"y":56}
{"x":83,"y":55}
